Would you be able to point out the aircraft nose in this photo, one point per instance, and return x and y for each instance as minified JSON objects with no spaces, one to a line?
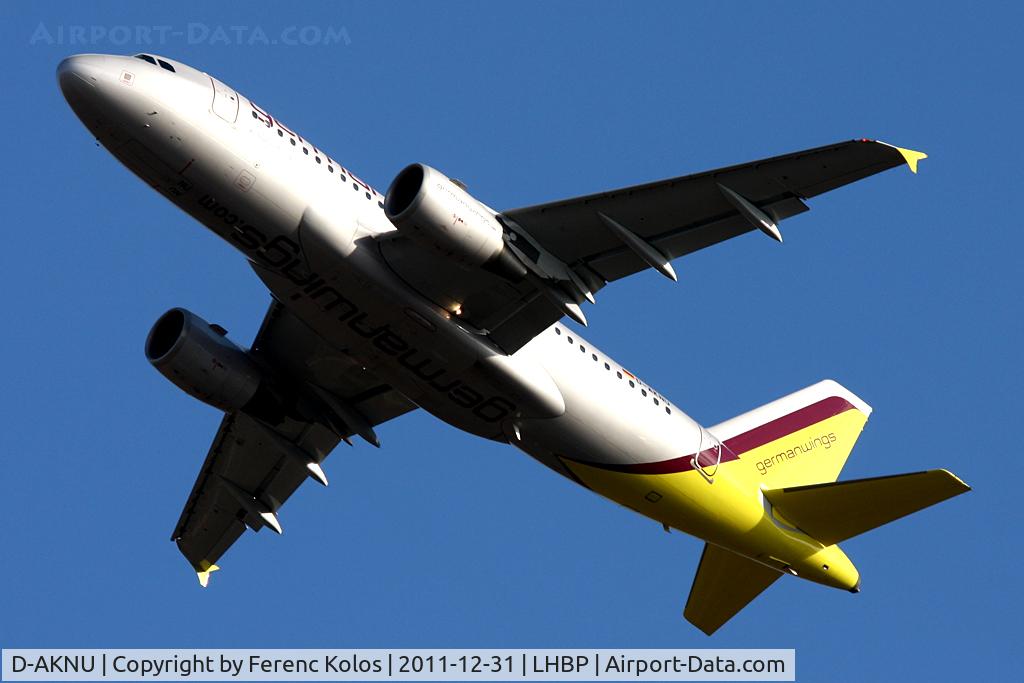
{"x":79,"y":75}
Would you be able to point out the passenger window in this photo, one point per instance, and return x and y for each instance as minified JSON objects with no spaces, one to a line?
{"x":368,"y":195}
{"x":656,"y":402}
{"x":643,"y":392}
{"x":618,"y":374}
{"x":380,"y":204}
{"x":583,"y":349}
{"x":594,"y":356}
{"x":305,"y":151}
{"x":355,"y":187}
{"x":318,"y":160}
{"x":631,"y":385}
{"x":667,"y":411}
{"x":558,"y":331}
{"x":607,"y":367}
{"x":569,"y":339}
{"x":330,"y":169}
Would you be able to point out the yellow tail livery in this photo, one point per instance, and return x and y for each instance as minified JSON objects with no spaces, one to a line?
{"x":761,"y":490}
{"x":803,"y":438}
{"x":791,"y":452}
{"x":356,"y":278}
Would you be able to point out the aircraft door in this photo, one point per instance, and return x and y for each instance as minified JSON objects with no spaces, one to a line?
{"x":708,"y":456}
{"x":225,"y":101}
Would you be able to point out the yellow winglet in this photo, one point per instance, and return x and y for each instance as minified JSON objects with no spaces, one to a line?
{"x":909,"y":155}
{"x":204,"y":575}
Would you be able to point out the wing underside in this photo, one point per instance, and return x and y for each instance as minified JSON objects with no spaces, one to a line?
{"x":599,"y":238}
{"x":252,"y":468}
{"x":681,"y":215}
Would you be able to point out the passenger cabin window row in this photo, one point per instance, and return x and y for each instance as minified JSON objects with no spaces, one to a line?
{"x":343,"y":174}
{"x":156,"y":62}
{"x":618,"y":373}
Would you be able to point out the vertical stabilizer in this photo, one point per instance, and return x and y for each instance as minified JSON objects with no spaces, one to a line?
{"x":803,"y":438}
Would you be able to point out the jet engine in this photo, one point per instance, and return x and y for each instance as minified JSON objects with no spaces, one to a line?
{"x":201,"y":361}
{"x":437,"y":212}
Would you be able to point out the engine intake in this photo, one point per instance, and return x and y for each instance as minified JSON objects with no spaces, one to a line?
{"x":437,"y":212}
{"x":202,"y":362}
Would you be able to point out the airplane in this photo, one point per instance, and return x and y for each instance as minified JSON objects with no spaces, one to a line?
{"x":425,"y":297}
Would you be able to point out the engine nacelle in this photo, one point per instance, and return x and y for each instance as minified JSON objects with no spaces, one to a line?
{"x":202,"y":362}
{"x":430,"y":208}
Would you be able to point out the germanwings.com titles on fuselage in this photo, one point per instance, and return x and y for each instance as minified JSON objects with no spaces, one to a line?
{"x":284,"y":256}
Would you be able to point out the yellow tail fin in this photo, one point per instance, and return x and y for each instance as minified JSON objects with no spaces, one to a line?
{"x":837,"y":511}
{"x":803,"y":438}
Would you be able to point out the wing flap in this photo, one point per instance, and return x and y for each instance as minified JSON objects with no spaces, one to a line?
{"x":725,"y":583}
{"x":836,"y":511}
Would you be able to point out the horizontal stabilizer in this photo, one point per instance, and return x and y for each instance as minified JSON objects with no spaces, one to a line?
{"x":725,"y":583}
{"x":836,"y":511}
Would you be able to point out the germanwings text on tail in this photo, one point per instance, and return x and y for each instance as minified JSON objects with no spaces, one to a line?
{"x":425,"y":297}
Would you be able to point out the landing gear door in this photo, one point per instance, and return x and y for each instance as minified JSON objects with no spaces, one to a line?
{"x":225,"y":101}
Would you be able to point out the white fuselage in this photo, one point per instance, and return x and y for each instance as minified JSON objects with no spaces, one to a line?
{"x":312,"y":230}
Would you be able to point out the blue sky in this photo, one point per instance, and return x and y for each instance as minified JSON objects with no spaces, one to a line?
{"x":906,"y":289}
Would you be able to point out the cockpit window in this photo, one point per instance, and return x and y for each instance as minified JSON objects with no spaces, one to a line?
{"x":165,"y":65}
{"x":147,"y":58}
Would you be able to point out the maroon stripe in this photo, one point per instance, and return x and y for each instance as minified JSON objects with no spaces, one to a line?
{"x":741,"y":443}
{"x":787,"y":424}
{"x":680,"y":464}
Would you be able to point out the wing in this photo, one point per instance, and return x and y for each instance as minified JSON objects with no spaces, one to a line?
{"x":253,"y":468}
{"x":681,"y":215}
{"x":578,"y":245}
